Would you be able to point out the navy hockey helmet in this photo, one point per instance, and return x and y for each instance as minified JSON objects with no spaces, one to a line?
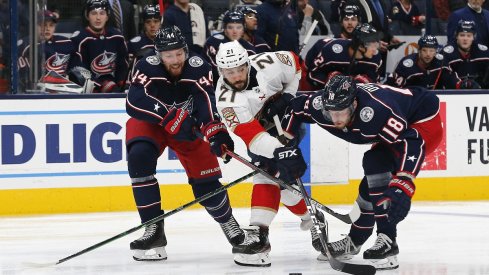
{"x":96,"y":5}
{"x":170,"y":38}
{"x":428,"y":41}
{"x":233,"y":17}
{"x":365,"y":33}
{"x":465,"y":26}
{"x":150,"y":12}
{"x":350,"y":11}
{"x":339,"y":93}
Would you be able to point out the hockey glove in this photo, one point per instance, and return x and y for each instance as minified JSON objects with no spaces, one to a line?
{"x":397,"y":198}
{"x":290,"y":163}
{"x":219,"y":139}
{"x":468,"y":84}
{"x":180,"y":125}
{"x":276,"y":107}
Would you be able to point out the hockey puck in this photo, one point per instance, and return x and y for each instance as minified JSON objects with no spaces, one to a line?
{"x":295,"y":273}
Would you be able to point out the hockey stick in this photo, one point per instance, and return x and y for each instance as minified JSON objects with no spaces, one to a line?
{"x":347,"y":218}
{"x":363,"y":269}
{"x":152,"y":221}
{"x":308,"y":36}
{"x":342,"y":217}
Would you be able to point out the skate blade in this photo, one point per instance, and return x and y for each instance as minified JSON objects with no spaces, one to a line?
{"x":258,"y":260}
{"x":323,"y":258}
{"x":385,"y":264}
{"x":154,"y":254}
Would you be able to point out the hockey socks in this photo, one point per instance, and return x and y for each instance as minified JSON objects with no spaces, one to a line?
{"x":218,"y":205}
{"x":147,"y":196}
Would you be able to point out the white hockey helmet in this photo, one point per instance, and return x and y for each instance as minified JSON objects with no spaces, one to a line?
{"x":231,"y":55}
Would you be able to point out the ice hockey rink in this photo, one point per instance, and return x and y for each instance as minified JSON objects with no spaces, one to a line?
{"x":436,"y":238}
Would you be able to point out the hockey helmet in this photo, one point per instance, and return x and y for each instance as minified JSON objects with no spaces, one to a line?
{"x":233,"y":17}
{"x":151,"y":11}
{"x":365,"y":33}
{"x":428,"y":41}
{"x":350,"y":11}
{"x":170,"y":38}
{"x":246,"y":10}
{"x":465,"y":26}
{"x":231,"y":55}
{"x":339,"y":93}
{"x":96,"y":5}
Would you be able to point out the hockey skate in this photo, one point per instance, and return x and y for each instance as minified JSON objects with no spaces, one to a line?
{"x":383,"y":255}
{"x":233,"y":232}
{"x":308,"y":225}
{"x":343,"y":249}
{"x":253,"y":251}
{"x":151,"y":246}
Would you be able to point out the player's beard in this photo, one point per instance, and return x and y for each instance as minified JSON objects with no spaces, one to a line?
{"x":175,"y":70}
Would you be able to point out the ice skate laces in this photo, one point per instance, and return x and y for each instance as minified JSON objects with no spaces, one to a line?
{"x":149,"y":231}
{"x":252,"y":237}
{"x":344,"y":245}
{"x":382,"y":240}
{"x":231,"y":228}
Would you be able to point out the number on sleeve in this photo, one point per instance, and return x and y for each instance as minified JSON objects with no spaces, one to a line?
{"x":267,"y":59}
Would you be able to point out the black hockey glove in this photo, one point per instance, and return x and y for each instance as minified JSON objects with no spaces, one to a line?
{"x":468,"y":84}
{"x":180,"y":125}
{"x":219,"y":139}
{"x":397,"y":198}
{"x":276,"y":106}
{"x":290,"y":163}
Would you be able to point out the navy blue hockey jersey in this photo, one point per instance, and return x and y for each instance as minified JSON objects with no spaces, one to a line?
{"x":334,"y":56}
{"x":153,"y":92}
{"x":383,"y":114}
{"x":57,"y":53}
{"x":475,"y":65}
{"x":105,"y":55}
{"x":409,"y":73}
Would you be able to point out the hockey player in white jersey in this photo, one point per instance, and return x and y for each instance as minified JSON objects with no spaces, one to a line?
{"x":245,"y":85}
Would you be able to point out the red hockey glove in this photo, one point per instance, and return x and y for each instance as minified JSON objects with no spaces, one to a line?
{"x":397,"y":198}
{"x":219,"y":139}
{"x":108,"y":86}
{"x":415,"y":20}
{"x":180,"y":125}
{"x":468,"y":84}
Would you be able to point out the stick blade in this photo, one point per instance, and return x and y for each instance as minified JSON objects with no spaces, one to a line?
{"x":38,"y":265}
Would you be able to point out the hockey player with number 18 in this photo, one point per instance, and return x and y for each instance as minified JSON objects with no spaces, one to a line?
{"x":403,"y":125}
{"x":171,"y":96}
{"x":245,"y":85}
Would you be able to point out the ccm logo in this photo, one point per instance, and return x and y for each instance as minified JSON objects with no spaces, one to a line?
{"x":287,"y":154}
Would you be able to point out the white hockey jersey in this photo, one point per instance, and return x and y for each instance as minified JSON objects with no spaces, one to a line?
{"x":276,"y":72}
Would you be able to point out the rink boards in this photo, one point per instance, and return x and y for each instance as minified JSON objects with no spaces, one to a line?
{"x":67,"y":155}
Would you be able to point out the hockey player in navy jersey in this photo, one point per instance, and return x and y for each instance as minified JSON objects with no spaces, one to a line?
{"x":234,"y":24}
{"x":58,"y":50}
{"x":245,"y":86}
{"x":349,"y":20}
{"x":426,"y":68}
{"x":101,"y":49}
{"x":358,"y":57}
{"x":403,"y":125}
{"x":251,"y":23}
{"x":468,"y":59}
{"x":171,"y":97}
{"x":143,"y":44}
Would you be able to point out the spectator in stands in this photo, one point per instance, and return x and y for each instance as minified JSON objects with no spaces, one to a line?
{"x":350,"y":18}
{"x":426,"y":68}
{"x":278,"y":25}
{"x":123,"y":17}
{"x":306,"y":14}
{"x":467,"y":58}
{"x":251,"y":24}
{"x":189,"y":18}
{"x":408,"y":15}
{"x":359,"y":58}
{"x":55,"y":49}
{"x":143,"y":44}
{"x":472,"y":12}
{"x":101,"y":49}
{"x":234,"y":24}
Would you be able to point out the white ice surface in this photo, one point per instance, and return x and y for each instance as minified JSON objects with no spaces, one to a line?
{"x":436,"y":238}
